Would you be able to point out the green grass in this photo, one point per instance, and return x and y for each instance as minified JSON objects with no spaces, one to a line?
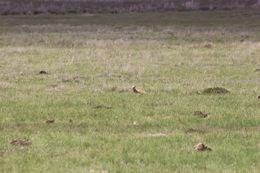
{"x":95,"y":60}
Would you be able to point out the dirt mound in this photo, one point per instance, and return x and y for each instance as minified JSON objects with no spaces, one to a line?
{"x":215,"y":90}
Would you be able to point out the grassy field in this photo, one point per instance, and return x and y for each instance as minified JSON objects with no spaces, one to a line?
{"x":100,"y":125}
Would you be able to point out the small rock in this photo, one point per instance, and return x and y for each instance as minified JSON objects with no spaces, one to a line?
{"x":258,"y":69}
{"x":258,"y":97}
{"x":201,"y":147}
{"x":43,"y":72}
{"x":49,"y":121}
{"x":200,"y":114}
{"x":21,"y":142}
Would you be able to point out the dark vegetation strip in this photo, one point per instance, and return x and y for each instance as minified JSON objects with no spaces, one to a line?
{"x":13,"y":7}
